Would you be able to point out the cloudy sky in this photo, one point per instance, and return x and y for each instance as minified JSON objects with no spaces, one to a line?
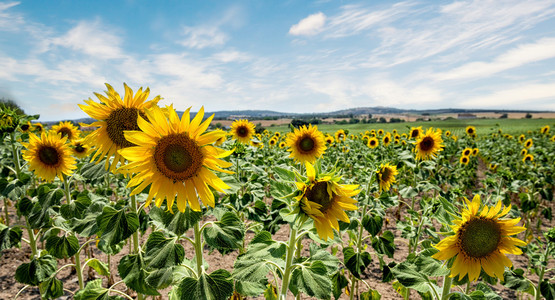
{"x":289,"y":56}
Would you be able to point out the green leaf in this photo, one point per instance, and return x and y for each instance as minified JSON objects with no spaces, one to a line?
{"x":161,"y":278}
{"x":225,"y":234}
{"x":384,"y":244}
{"x":430,"y":267}
{"x":547,"y":289}
{"x":77,"y":207}
{"x":25,"y":206}
{"x":162,"y":252}
{"x":132,"y":269}
{"x":9,"y":237}
{"x":476,"y":295}
{"x":94,"y":171}
{"x":100,"y":267}
{"x":488,"y":292}
{"x":408,"y":275}
{"x":177,"y":222}
{"x":338,"y":282}
{"x":94,"y":291}
{"x":515,"y":280}
{"x":356,"y":262}
{"x":52,"y":288}
{"x":372,"y":224}
{"x":116,"y":225}
{"x":312,"y":280}
{"x":47,"y":198}
{"x":214,"y":286}
{"x":371,"y":295}
{"x":271,"y":293}
{"x":88,"y":225}
{"x":62,"y":246}
{"x":36,"y":271}
{"x":330,"y":261}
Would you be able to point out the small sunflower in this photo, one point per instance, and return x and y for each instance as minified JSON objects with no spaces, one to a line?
{"x":282,"y":145}
{"x":386,"y":176}
{"x":523,"y":152}
{"x":272,"y":142}
{"x":277,"y":134}
{"x":528,"y":157}
{"x":373,"y":143}
{"x":114,"y":116}
{"x":386,"y":140}
{"x":26,"y":127}
{"x":545,"y":129}
{"x":521,"y":138}
{"x":340,"y":135}
{"x":242,"y":131}
{"x":553,"y":138}
{"x":324,"y":200}
{"x":480,"y":241}
{"x":529,"y":143}
{"x":174,"y":157}
{"x":471,"y":130}
{"x":306,"y":143}
{"x":49,"y":156}
{"x":428,"y":145}
{"x":257,"y":144}
{"x":380,"y":131}
{"x":415,"y":132}
{"x":467,"y":151}
{"x":447,"y":133}
{"x":475,"y":151}
{"x":37,"y":127}
{"x":329,"y":139}
{"x":493,"y":166}
{"x":464,"y":160}
{"x":67,"y":129}
{"x":79,"y":148}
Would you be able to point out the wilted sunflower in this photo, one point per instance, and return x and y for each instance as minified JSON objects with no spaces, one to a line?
{"x":49,"y":156}
{"x":471,"y":130}
{"x":528,"y":157}
{"x":114,"y":116}
{"x":467,"y":151}
{"x":415,"y":132}
{"x":340,"y":135}
{"x":67,"y":129}
{"x":79,"y":148}
{"x":306,"y":143}
{"x":386,"y":139}
{"x":475,"y":151}
{"x":528,"y":143}
{"x":523,"y":152}
{"x":242,"y":131}
{"x":174,"y":157}
{"x":386,"y":176}
{"x":480,"y":241}
{"x":428,"y":145}
{"x":324,"y":200}
{"x":545,"y":129}
{"x":464,"y":160}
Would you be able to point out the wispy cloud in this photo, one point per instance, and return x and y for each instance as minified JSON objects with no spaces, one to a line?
{"x":536,"y":96}
{"x":202,"y":37}
{"x":310,"y":25}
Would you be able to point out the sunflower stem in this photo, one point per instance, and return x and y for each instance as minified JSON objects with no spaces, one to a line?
{"x":66,"y":189}
{"x":15,"y":155}
{"x":32,"y":240}
{"x":198,"y":249}
{"x":288,"y":260}
{"x":446,"y":287}
{"x":7,"y":214}
{"x":136,"y":248}
{"x":542,"y":272}
{"x":78,"y":267}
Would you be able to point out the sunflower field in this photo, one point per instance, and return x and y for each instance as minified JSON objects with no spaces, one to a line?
{"x":149,"y":203}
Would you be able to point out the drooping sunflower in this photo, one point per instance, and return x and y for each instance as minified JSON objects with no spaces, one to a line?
{"x":174,"y":157}
{"x":323,"y":199}
{"x":67,"y":129}
{"x":529,"y":143}
{"x":114,"y":116}
{"x":386,"y":176}
{"x":415,"y":132}
{"x":49,"y":156}
{"x":428,"y":145}
{"x":340,"y":135}
{"x":475,"y":151}
{"x":464,"y":160}
{"x":306,"y":143}
{"x":545,"y":129}
{"x":471,"y":130}
{"x":242,"y":131}
{"x":373,"y":142}
{"x":480,"y":241}
{"x":528,"y":157}
{"x":467,"y":151}
{"x":80,"y":148}
{"x":386,"y":140}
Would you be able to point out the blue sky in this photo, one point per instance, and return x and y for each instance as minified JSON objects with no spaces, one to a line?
{"x":289,"y":56}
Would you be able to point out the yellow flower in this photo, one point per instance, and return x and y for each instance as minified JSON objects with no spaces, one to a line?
{"x":523,"y":152}
{"x":306,"y":144}
{"x":114,"y":116}
{"x":380,"y":131}
{"x":528,"y":143}
{"x":493,"y":166}
{"x":475,"y":151}
{"x":324,"y":200}
{"x":545,"y":129}
{"x":428,"y":145}
{"x":37,"y":127}
{"x":481,"y":241}
{"x":416,"y":132}
{"x":447,"y":133}
{"x":340,"y":135}
{"x":282,"y":145}
{"x":67,"y":129}
{"x":467,"y":151}
{"x":464,"y":160}
{"x":386,"y":139}
{"x":79,"y":148}
{"x":521,"y":138}
{"x":26,"y":127}
{"x":329,"y":139}
{"x":222,"y":139}
{"x":471,"y":131}
{"x":242,"y":131}
{"x":386,"y":176}
{"x":174,"y":157}
{"x":528,"y":157}
{"x":272,"y":141}
{"x":49,"y":156}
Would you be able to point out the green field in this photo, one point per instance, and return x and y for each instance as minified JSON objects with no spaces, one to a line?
{"x":483,"y":126}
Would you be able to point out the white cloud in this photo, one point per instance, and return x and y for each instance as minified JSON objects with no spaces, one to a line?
{"x":528,"y":95}
{"x":394,"y":94}
{"x":310,"y":25}
{"x":231,"y":56}
{"x":202,"y":37}
{"x":9,"y":21}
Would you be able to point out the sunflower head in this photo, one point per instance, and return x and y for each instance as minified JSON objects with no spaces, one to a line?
{"x":272,"y":141}
{"x":9,"y":119}
{"x":222,"y":139}
{"x":380,"y":131}
{"x":545,"y":129}
{"x":282,"y":145}
{"x":386,"y":140}
{"x":467,"y":151}
{"x":480,"y":241}
{"x":324,"y":200}
{"x":475,"y":151}
{"x":523,"y":152}
{"x":80,"y":148}
{"x":528,"y":157}
{"x":447,"y":133}
{"x":471,"y":131}
{"x":329,"y":139}
{"x":67,"y":129}
{"x":242,"y":131}
{"x":493,"y":166}
{"x":306,"y":144}
{"x":428,"y":145}
{"x":340,"y":135}
{"x":529,"y":143}
{"x":277,"y":134}
{"x":553,"y":138}
{"x":521,"y":138}
{"x":49,"y":156}
{"x":115,"y":115}
{"x":386,"y":176}
{"x":25,"y":127}
{"x":176,"y":158}
{"x":38,"y":127}
{"x":464,"y":160}
{"x":415,"y":132}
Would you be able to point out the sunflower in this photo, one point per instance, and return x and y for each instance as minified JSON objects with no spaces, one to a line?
{"x":365,"y":138}
{"x":553,"y":138}
{"x":523,"y":152}
{"x":174,"y":157}
{"x":447,"y":133}
{"x":114,"y":116}
{"x":467,"y":151}
{"x":26,"y":127}
{"x":521,"y":138}
{"x":416,"y":132}
{"x":380,"y":132}
{"x":528,"y":143}
{"x":67,"y":129}
{"x":528,"y":157}
{"x":471,"y":130}
{"x":79,"y":148}
{"x":475,"y":151}
{"x":545,"y":129}
{"x":306,"y":144}
{"x":257,"y":144}
{"x":272,"y":141}
{"x":323,"y":199}
{"x":386,"y":139}
{"x":329,"y":139}
{"x":428,"y":145}
{"x":49,"y":156}
{"x":242,"y":131}
{"x":222,"y":139}
{"x":386,"y":176}
{"x":282,"y":145}
{"x":340,"y":135}
{"x":480,"y":241}
{"x":493,"y":166}
{"x":277,"y":134}
{"x":37,"y":127}
{"x":373,"y":143}
{"x":464,"y":160}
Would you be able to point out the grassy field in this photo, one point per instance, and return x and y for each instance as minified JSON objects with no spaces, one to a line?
{"x":483,"y":126}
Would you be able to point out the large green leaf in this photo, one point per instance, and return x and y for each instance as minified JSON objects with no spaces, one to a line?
{"x":215,"y":286}
{"x":372,"y":224}
{"x":100,"y":267}
{"x":225,"y":234}
{"x":77,"y":207}
{"x":409,"y":276}
{"x":515,"y":280}
{"x":356,"y":262}
{"x":52,"y":288}
{"x":132,"y":269}
{"x":162,"y":278}
{"x":95,"y":291}
{"x":339,"y":282}
{"x":488,"y":292}
{"x":62,"y":246}
{"x":330,"y":261}
{"x":43,"y":208}
{"x":87,"y":226}
{"x":547,"y":289}
{"x":162,"y":252}
{"x":36,"y":271}
{"x":312,"y":280}
{"x":117,"y":225}
{"x":476,"y":295}
{"x":384,"y":244}
{"x":174,"y":222}
{"x":9,"y":237}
